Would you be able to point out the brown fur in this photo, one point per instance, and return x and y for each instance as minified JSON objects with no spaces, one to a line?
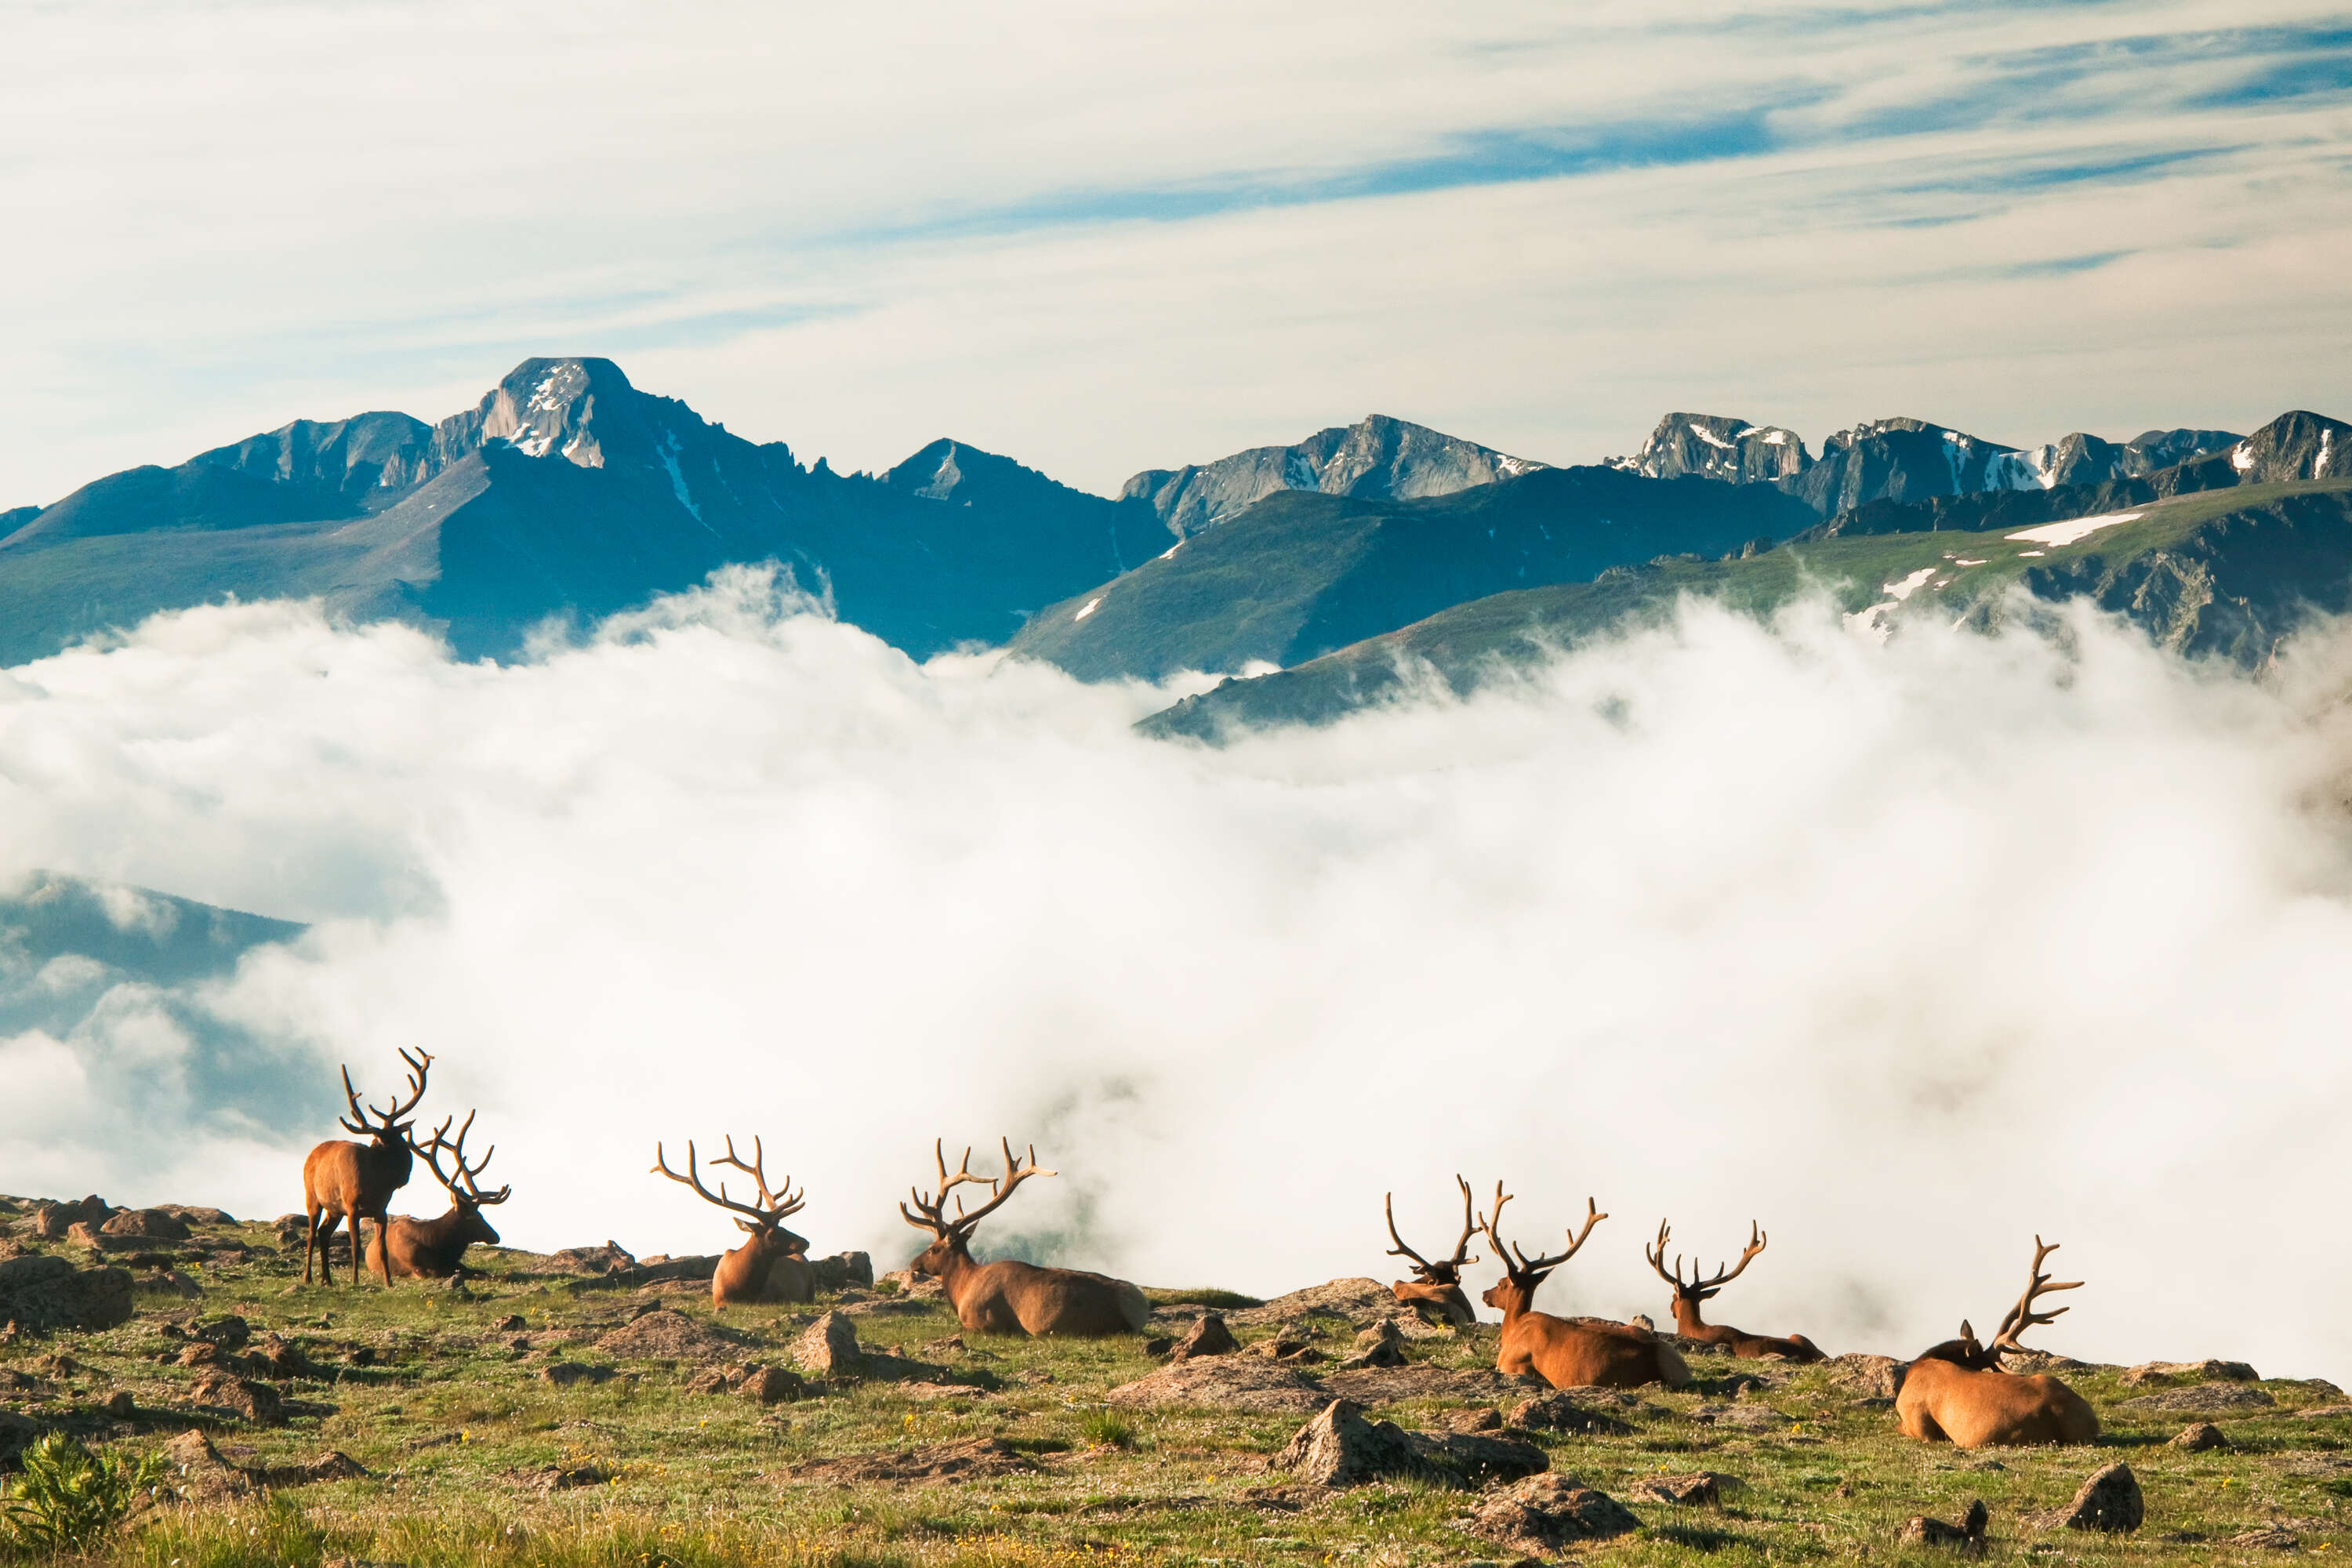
{"x":1956,"y":1392}
{"x":436,"y":1248}
{"x":1434,"y":1291}
{"x":772,"y":1263}
{"x":344,"y":1181}
{"x":1564,"y":1353}
{"x":1691,"y":1293}
{"x":1008,"y":1296}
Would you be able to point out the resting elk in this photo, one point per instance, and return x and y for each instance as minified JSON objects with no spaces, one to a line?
{"x":772,"y":1263}
{"x":1688,"y":1296}
{"x":1008,"y":1296}
{"x":1435,"y":1290}
{"x":343,"y":1181}
{"x":1568,"y":1352}
{"x":1957,"y":1390}
{"x":436,"y":1248}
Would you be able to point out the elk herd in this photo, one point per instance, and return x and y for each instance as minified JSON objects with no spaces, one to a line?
{"x":1956,"y":1391}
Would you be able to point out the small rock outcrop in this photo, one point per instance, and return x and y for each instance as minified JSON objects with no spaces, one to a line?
{"x":152,"y":1224}
{"x":1704,"y":1489}
{"x":2159,"y":1372}
{"x":1873,"y":1376}
{"x":609,"y":1259}
{"x":843,"y":1271}
{"x":664,"y":1334}
{"x":198,"y":1471}
{"x":2199,"y":1436}
{"x":1207,"y":1336}
{"x":1380,"y":1345}
{"x":54,"y":1222}
{"x":828,"y":1348}
{"x":40,"y":1292}
{"x":1225,"y":1382}
{"x":1967,"y":1537}
{"x":1538,"y":1516}
{"x":1564,"y":1413}
{"x":2201,"y":1399}
{"x":1340,"y":1448}
{"x":254,"y":1402}
{"x":2109,"y":1501}
{"x":1361,"y":1301}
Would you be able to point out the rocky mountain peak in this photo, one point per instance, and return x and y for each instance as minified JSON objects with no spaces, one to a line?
{"x":565,"y":407}
{"x":1718,"y":446}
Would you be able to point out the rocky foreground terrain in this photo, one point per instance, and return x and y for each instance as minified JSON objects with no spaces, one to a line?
{"x":589,"y":1407}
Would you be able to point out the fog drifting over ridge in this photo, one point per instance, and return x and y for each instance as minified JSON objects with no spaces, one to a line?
{"x":1908,"y":952}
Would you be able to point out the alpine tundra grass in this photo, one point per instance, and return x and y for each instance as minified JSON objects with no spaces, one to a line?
{"x":494,"y":1432}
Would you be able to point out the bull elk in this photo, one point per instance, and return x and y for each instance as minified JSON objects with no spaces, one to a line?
{"x":1956,"y":1392}
{"x":1568,"y":1352}
{"x":772,"y":1263}
{"x":1435,"y":1290}
{"x":1689,"y":1295}
{"x":1009,"y":1296}
{"x":350,"y":1182}
{"x":436,"y":1248}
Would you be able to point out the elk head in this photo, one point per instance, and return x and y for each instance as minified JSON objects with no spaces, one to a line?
{"x":1439,"y":1284}
{"x":467,"y":1198}
{"x":1688,"y":1295}
{"x":953,"y":1235}
{"x":763,"y":1221}
{"x":388,"y":1128}
{"x":1514,"y":1292}
{"x":1966,"y":1352}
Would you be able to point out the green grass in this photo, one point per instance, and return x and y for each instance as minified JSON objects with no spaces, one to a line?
{"x":452,"y":1420}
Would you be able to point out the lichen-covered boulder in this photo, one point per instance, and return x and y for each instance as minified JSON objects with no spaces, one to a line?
{"x":42,"y":1292}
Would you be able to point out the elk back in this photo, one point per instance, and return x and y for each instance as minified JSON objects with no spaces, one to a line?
{"x":1942,"y":1401}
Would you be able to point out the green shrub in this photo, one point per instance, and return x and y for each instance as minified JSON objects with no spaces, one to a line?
{"x":1106,"y":1429}
{"x":70,"y":1498}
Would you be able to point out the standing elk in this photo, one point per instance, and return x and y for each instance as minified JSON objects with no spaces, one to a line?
{"x":1956,"y":1392}
{"x":1687,"y":1296}
{"x":1568,"y":1352}
{"x":436,"y":1248}
{"x":772,"y":1263}
{"x":1435,"y":1290}
{"x":344,"y":1181}
{"x":1009,"y":1296}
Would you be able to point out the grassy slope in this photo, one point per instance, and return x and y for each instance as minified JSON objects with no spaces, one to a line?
{"x":453,"y":1415}
{"x":1460,"y":644}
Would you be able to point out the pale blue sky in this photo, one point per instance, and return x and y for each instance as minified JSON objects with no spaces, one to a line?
{"x":1102,"y":238}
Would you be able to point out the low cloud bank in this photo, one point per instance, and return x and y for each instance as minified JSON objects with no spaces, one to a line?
{"x":1910,"y":952}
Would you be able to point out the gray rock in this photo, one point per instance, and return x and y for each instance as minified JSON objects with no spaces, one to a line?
{"x":2201,"y":1399}
{"x":843,"y":1271}
{"x":152,"y":1225}
{"x":2159,"y":1373}
{"x":772,"y":1385}
{"x":2109,"y":1501}
{"x":1380,"y":1345}
{"x":572,"y":1374}
{"x":828,"y":1348}
{"x":609,"y":1259}
{"x":2268,"y":1538}
{"x":1420,"y":1380}
{"x":1564,"y":1413}
{"x":664,"y":1334}
{"x":254,"y":1402}
{"x":1225,"y":1382}
{"x":913,"y":1285}
{"x":1967,"y":1536}
{"x":199,"y":1471}
{"x":1340,"y":1448}
{"x":1875,"y":1376}
{"x":42,"y":1292}
{"x":1543,"y":1513}
{"x":52,"y":1222}
{"x":2200,"y":1435}
{"x":1207,"y":1336}
{"x":1704,"y":1489}
{"x":1361,"y":1301}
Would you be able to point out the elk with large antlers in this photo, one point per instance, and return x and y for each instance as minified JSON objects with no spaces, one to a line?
{"x":1435,"y":1290}
{"x":350,"y":1182}
{"x":436,"y":1248}
{"x":1956,"y":1391}
{"x":1568,"y":1352}
{"x":1008,"y":1296}
{"x":772,"y":1263}
{"x":1689,"y":1294}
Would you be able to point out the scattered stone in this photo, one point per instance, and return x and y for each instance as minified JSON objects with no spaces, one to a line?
{"x":2201,"y":1399}
{"x":81,"y":1233}
{"x":2109,"y":1501}
{"x":1543,"y":1513}
{"x":1875,"y":1376}
{"x":332,"y":1466}
{"x":1564,"y":1413}
{"x":1361,"y":1301}
{"x":17,"y":1433}
{"x":664,"y":1334}
{"x":2326,"y":1412}
{"x":828,"y":1348}
{"x":254,"y":1402}
{"x":843,"y":1271}
{"x":1158,"y":1347}
{"x":200,"y":1354}
{"x":2269,"y":1538}
{"x":195,"y":1213}
{"x":609,"y":1259}
{"x":1225,"y":1382}
{"x":1207,"y":1336}
{"x":2164,"y":1372}
{"x":230,"y":1332}
{"x":1340,"y":1448}
{"x":54,"y":1222}
{"x":121,"y":1406}
{"x":567,"y":1373}
{"x":1380,"y":1345}
{"x":967,"y":1458}
{"x":1704,"y":1489}
{"x":199,"y":1471}
{"x":716,"y":1380}
{"x":563,"y":1477}
{"x":1748,"y":1416}
{"x":154,"y":1224}
{"x":1486,"y":1420}
{"x":275,"y":1357}
{"x":509,"y":1324}
{"x":915,"y":1287}
{"x":1967,"y":1536}
{"x":772,"y":1385}
{"x":1292,"y":1341}
{"x":1420,"y":1380}
{"x":292,"y":1229}
{"x":2200,"y":1435}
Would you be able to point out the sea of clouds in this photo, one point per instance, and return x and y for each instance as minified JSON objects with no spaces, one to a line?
{"x":1908,"y":951}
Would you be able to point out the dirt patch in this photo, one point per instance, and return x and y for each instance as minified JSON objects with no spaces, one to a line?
{"x":1389,"y":1384}
{"x":968,"y":1459}
{"x":1226,"y":1383}
{"x":665,"y":1335}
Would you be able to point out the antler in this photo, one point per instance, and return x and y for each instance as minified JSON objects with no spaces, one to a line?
{"x":468,"y":1173}
{"x":773,"y":1206}
{"x":419,"y":1063}
{"x":930,"y":1213}
{"x":1724,"y":1274}
{"x":1526,"y":1266}
{"x":2022,"y":1316}
{"x":1449,"y":1271}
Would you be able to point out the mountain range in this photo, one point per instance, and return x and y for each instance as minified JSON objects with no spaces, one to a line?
{"x":1329,"y":571}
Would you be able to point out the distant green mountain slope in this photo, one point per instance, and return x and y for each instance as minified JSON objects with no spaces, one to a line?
{"x":1299,"y":573}
{"x":2223,"y":572}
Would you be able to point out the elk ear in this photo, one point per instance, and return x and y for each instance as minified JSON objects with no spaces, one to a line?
{"x":747,"y":1227}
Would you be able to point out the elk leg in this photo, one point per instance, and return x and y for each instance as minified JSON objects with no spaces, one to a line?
{"x":310,"y":1239}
